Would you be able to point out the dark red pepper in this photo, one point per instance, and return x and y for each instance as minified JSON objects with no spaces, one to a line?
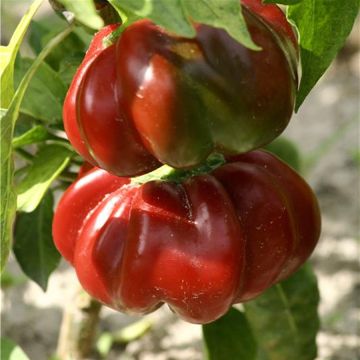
{"x":153,"y":97}
{"x":200,"y":244}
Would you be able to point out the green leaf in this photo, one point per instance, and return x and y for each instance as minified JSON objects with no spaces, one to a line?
{"x":41,"y":32}
{"x":46,"y":92}
{"x":287,"y":151}
{"x":222,"y":14}
{"x":125,"y":335}
{"x":23,"y":124}
{"x":85,"y":12}
{"x":168,"y":14}
{"x":177,"y":16}
{"x":39,"y":29}
{"x":67,"y":57}
{"x":104,"y":344}
{"x":8,"y":196}
{"x":8,"y":120}
{"x":132,"y":332}
{"x":8,"y":55}
{"x":323,"y":26}
{"x":34,"y":135}
{"x":49,"y":162}
{"x":229,"y":337}
{"x":33,"y":245}
{"x":68,"y":67}
{"x":284,"y":319}
{"x":11,"y":351}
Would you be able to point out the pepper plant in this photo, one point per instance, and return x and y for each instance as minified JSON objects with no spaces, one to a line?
{"x":180,"y":92}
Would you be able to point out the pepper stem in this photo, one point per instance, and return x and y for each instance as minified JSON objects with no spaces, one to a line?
{"x":126,"y":20}
{"x":167,"y":173}
{"x":112,"y":37}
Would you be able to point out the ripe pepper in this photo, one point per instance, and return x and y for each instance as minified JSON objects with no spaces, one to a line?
{"x":153,"y":97}
{"x":199,"y":244}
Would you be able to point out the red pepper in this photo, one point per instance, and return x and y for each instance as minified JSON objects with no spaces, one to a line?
{"x":153,"y":97}
{"x":199,"y":244}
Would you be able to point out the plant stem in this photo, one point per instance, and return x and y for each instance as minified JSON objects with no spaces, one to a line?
{"x":78,"y":328}
{"x":168,"y":173}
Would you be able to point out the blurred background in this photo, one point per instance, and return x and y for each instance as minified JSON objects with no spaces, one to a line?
{"x":327,"y":133}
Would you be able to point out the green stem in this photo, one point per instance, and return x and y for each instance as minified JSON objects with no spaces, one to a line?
{"x":111,"y":38}
{"x":167,"y":173}
{"x":157,"y":174}
{"x":79,"y":327}
{"x":126,"y":20}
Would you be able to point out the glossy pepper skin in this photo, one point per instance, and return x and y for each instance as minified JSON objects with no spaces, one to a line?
{"x":199,"y":245}
{"x":153,"y":97}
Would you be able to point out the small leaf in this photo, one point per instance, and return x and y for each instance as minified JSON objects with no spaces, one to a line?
{"x":8,"y":55}
{"x":40,"y":28}
{"x":49,"y":162}
{"x":177,"y":16}
{"x":34,"y":135}
{"x":104,"y":344}
{"x":284,"y":319}
{"x":67,"y":57}
{"x":46,"y":92}
{"x":168,"y":14}
{"x":229,"y":337}
{"x":8,"y":120}
{"x":85,"y":12}
{"x":41,"y":32}
{"x":68,"y":67}
{"x":11,"y":351}
{"x":123,"y":336}
{"x":132,"y":332}
{"x":23,"y":124}
{"x":33,"y":245}
{"x":224,"y":14}
{"x":323,"y":26}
